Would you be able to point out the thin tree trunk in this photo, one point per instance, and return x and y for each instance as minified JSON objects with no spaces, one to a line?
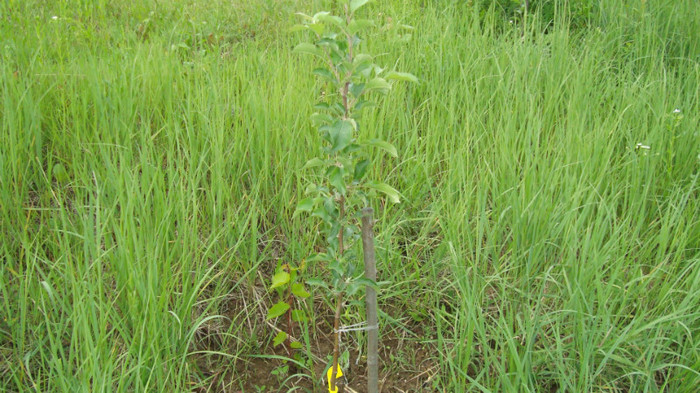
{"x":338,"y":306}
{"x":371,"y":299}
{"x":336,"y":339}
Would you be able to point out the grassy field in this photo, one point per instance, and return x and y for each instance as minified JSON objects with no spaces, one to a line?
{"x":549,"y":234}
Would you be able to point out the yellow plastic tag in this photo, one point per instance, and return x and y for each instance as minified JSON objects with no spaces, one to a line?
{"x":337,"y":377}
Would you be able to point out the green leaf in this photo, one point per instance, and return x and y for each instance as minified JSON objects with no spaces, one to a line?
{"x":306,"y":47}
{"x":384,"y":145}
{"x":328,"y":43}
{"x":350,"y":231}
{"x":337,"y":181}
{"x":311,"y":188}
{"x":378,"y":84}
{"x":48,"y":289}
{"x":321,"y":213}
{"x":340,"y":135}
{"x":356,"y":89}
{"x":320,"y":257}
{"x":317,"y":28}
{"x":362,"y":58}
{"x":360,"y":283}
{"x":367,"y":282}
{"x":324,"y":73}
{"x":345,"y":161}
{"x":59,"y":173}
{"x":279,"y":279}
{"x":304,"y":205}
{"x":401,"y":76}
{"x":337,"y":272}
{"x":303,"y":15}
{"x":354,"y":147}
{"x":295,"y":345}
{"x":279,"y":339}
{"x":277,"y":310}
{"x":363,"y":104}
{"x":361,"y":169}
{"x":356,"y":4}
{"x":338,"y":108}
{"x":299,"y":316}
{"x":299,"y":291}
{"x":321,"y":119}
{"x":326,"y":17}
{"x":352,"y":289}
{"x":313,"y":163}
{"x":386,"y":189}
{"x":315,"y":282}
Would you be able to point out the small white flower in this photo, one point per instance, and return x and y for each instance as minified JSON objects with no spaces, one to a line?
{"x":676,"y":110}
{"x":641,"y":146}
{"x":54,"y":17}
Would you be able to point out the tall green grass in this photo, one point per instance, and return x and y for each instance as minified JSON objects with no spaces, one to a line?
{"x":149,"y":157}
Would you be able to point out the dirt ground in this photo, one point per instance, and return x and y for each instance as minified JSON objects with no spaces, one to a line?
{"x":407,"y":362}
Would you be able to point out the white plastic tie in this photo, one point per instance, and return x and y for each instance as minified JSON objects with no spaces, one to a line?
{"x":356,"y":327}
